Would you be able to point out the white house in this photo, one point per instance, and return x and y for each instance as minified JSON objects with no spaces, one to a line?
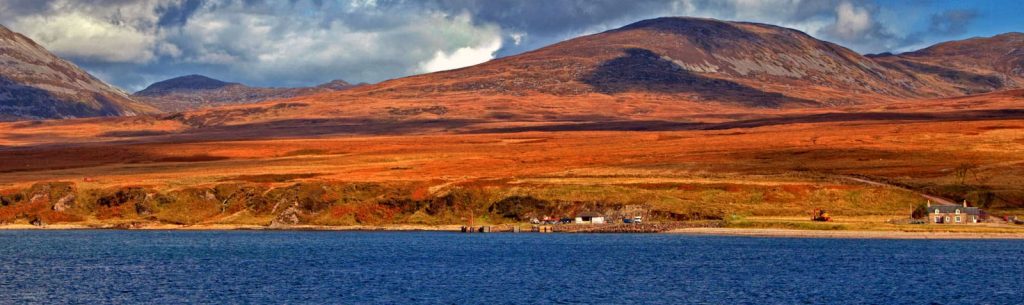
{"x":589,"y":218}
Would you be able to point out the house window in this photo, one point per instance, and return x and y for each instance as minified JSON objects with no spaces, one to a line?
{"x":958,"y":219}
{"x":946,"y":219}
{"x":936,"y":211}
{"x":958,"y":211}
{"x":938,"y":219}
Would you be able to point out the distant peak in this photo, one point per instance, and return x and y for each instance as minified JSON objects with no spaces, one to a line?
{"x":695,"y":25}
{"x":336,"y":85}
{"x":675,"y":23}
{"x":196,"y":78}
{"x":185,"y":83}
{"x":337,"y":82}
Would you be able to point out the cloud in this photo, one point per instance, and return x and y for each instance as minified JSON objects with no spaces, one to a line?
{"x":88,"y":38}
{"x":264,"y":43}
{"x":295,"y":49}
{"x":851,"y":22}
{"x":462,"y":57}
{"x":951,"y":22}
{"x":517,"y":38}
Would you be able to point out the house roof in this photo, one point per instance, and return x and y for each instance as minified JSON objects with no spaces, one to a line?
{"x":590,"y":214}
{"x":953,"y":208}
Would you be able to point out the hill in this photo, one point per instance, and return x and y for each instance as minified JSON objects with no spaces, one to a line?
{"x":752,"y":64}
{"x":976,"y":65}
{"x":691,"y":59}
{"x":35,"y":84}
{"x":197,"y":91}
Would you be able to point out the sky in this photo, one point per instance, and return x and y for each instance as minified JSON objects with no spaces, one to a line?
{"x":290,"y":43}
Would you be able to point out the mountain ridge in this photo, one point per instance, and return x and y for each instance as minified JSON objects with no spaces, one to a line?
{"x":671,"y":68}
{"x":783,"y":61}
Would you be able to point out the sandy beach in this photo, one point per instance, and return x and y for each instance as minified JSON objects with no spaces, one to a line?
{"x":711,"y":231}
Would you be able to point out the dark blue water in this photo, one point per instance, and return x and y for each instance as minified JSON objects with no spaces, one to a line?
{"x":231,"y":267}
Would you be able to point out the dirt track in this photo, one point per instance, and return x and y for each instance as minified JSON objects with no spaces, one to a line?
{"x":934,"y":199}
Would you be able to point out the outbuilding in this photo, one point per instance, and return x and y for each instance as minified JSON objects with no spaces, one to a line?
{"x":589,"y":218}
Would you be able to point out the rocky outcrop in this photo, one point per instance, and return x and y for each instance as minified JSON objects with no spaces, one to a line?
{"x":64,"y":203}
{"x":289,"y":216}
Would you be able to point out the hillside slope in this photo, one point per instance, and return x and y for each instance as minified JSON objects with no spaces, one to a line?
{"x":744,"y":63}
{"x":970,"y":66}
{"x":35,"y":84}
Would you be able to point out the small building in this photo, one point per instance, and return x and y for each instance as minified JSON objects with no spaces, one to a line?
{"x":589,"y":218}
{"x":953,"y":214}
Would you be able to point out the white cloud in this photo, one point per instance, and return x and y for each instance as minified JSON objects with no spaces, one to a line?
{"x":168,"y":49}
{"x":463,"y":57}
{"x":852,"y":22}
{"x":265,"y":46}
{"x":517,"y":37}
{"x":81,"y":36}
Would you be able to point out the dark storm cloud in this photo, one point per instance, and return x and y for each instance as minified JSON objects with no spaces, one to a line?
{"x":176,"y":14}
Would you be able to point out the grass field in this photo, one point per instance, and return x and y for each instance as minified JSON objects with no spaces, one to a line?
{"x":152,"y":170}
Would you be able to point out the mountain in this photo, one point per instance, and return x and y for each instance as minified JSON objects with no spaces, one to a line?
{"x":741,"y":63}
{"x":183,"y":84}
{"x":35,"y":84}
{"x":693,"y":59}
{"x":664,"y":69}
{"x":197,"y":91}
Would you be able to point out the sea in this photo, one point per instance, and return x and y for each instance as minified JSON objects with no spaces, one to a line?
{"x":330,"y":267}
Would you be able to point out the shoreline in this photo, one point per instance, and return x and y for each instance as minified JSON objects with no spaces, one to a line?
{"x":695,"y":231}
{"x":841,"y":234}
{"x":233,"y":227}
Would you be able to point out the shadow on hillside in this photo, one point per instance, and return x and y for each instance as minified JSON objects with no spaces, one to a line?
{"x":969,"y":83}
{"x":126,"y":151}
{"x":32,"y":102}
{"x":643,"y":70}
{"x":298,"y":128}
{"x":131,"y":147}
{"x":656,"y":125}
